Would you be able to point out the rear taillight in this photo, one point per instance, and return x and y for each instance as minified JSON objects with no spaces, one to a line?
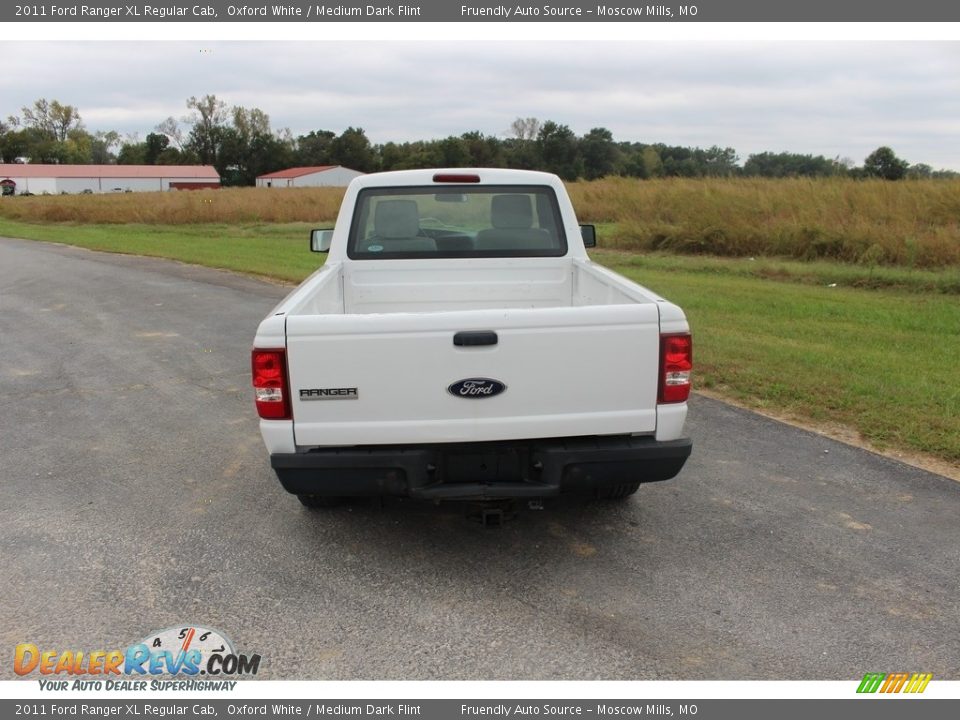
{"x":270,"y":384}
{"x":676,"y":362}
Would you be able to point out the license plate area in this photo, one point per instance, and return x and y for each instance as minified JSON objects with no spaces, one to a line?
{"x":486,"y":468}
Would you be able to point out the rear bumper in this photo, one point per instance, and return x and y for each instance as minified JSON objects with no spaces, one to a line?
{"x":532,"y":469}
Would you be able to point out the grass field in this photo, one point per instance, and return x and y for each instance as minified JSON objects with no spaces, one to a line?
{"x":875,"y":223}
{"x":273,"y":251}
{"x":780,"y":323}
{"x":912,"y":224}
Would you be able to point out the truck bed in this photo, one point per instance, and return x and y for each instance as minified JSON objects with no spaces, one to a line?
{"x":384,"y":332}
{"x":411,"y":286}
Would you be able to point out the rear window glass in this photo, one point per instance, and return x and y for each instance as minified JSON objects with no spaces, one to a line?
{"x":456,"y":221}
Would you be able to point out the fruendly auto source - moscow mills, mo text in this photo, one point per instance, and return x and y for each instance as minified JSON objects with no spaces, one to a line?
{"x":505,"y":12}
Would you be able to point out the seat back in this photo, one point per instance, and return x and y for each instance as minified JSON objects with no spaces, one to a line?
{"x":396,"y":219}
{"x":396,"y":228}
{"x":511,"y":217}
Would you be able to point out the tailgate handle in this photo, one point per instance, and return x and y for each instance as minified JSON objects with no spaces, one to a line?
{"x":468,"y":338}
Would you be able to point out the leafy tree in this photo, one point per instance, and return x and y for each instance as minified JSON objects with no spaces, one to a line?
{"x":883,"y":163}
{"x":52,"y":119}
{"x":102,"y":145}
{"x":208,"y":122}
{"x":155,"y":144}
{"x":418,"y":154}
{"x":521,"y":154}
{"x":14,"y":143}
{"x":674,"y":166}
{"x":77,"y":149}
{"x":243,"y":157}
{"x":248,"y":148}
{"x":250,"y":122}
{"x":717,"y":161}
{"x":173,"y":156}
{"x":945,"y":175}
{"x":352,"y":149}
{"x":600,"y":153}
{"x":521,"y":150}
{"x":785,"y":164}
{"x":132,"y":153}
{"x":677,"y":161}
{"x":268,"y":153}
{"x":391,"y":155}
{"x":313,"y":149}
{"x":560,"y":150}
{"x":41,"y":148}
{"x":453,"y":152}
{"x":483,"y":150}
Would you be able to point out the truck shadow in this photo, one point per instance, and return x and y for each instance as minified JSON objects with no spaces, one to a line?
{"x":575,"y":528}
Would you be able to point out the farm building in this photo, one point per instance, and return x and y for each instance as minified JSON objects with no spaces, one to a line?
{"x":72,"y":179}
{"x":321,"y":176}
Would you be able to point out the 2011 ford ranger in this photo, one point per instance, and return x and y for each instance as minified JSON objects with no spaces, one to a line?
{"x":459,"y":343}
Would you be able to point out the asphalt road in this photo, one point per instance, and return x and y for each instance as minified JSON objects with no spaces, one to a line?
{"x":135,"y":495}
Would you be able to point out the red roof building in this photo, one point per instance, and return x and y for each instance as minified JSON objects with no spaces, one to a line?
{"x":317,"y":176}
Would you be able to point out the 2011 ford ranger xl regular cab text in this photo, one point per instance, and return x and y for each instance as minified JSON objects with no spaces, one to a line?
{"x":458,"y":343}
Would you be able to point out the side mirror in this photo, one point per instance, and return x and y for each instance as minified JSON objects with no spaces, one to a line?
{"x":320,"y":240}
{"x":589,"y":234}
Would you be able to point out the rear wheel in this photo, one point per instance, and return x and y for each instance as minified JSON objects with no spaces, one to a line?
{"x":620,"y":491}
{"x":318,"y":501}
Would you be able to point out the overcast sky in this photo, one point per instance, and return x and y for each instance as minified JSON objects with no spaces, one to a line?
{"x":826,"y":98}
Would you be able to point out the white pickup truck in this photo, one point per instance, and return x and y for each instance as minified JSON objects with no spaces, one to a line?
{"x":458,"y":343}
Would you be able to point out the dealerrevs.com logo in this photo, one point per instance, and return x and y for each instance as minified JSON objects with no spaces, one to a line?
{"x":187,"y":652}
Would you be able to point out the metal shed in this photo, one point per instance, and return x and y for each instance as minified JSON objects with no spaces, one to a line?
{"x":73,"y":179}
{"x":319,"y":176}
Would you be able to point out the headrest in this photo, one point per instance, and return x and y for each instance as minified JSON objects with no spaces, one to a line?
{"x":396,"y":219}
{"x":511,"y":211}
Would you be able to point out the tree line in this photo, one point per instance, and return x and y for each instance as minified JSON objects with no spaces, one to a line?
{"x":240,"y":143}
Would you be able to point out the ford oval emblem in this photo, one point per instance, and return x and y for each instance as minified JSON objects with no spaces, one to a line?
{"x":476,"y":388}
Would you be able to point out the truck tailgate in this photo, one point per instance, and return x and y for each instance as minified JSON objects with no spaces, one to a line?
{"x":386,"y":378}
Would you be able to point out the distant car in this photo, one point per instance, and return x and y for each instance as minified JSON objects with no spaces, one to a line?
{"x":86,"y":191}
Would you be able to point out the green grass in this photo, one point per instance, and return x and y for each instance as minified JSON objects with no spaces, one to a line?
{"x":882,"y":362}
{"x":815,"y":272}
{"x":275,"y":251}
{"x":879,"y":352}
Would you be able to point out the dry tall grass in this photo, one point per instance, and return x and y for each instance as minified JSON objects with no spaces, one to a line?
{"x":872,"y":222}
{"x":228,"y":205}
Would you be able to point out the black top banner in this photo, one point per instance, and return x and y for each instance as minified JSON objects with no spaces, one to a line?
{"x":472,"y":11}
